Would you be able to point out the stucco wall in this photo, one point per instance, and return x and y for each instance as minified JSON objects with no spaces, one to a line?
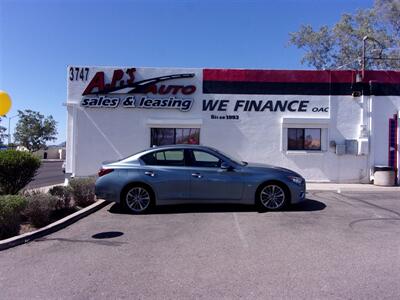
{"x":101,"y":134}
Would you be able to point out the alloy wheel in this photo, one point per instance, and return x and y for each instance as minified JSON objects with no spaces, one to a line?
{"x":272,"y":197}
{"x":138,"y":199}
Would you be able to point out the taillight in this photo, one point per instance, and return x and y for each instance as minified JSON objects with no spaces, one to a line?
{"x":103,"y":172}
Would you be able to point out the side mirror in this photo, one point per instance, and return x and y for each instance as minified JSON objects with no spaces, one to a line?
{"x":226,"y":167}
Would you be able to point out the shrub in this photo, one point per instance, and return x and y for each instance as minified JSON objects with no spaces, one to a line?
{"x":63,"y":193}
{"x":82,"y":190}
{"x":17,"y":169}
{"x":39,"y":207}
{"x":10,"y":214}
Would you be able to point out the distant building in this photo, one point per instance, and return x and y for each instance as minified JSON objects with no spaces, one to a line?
{"x":21,"y":148}
{"x":53,"y":152}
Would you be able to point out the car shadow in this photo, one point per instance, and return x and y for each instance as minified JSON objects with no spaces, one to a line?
{"x":306,"y":206}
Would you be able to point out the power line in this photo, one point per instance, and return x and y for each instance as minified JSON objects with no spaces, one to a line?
{"x":384,"y":58}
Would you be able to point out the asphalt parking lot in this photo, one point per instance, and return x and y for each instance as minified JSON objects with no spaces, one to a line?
{"x":49,"y":173}
{"x":334,"y":246}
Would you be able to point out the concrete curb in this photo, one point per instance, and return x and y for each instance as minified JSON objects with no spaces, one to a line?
{"x":51,"y":160}
{"x":46,"y":188}
{"x":53,"y":227}
{"x":351,"y":187}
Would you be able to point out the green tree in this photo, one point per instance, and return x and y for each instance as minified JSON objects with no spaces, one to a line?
{"x":340,"y":46}
{"x":2,"y":134}
{"x":17,"y":169}
{"x":33,"y":130}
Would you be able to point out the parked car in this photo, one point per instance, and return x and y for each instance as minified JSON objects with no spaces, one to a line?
{"x":196,"y":174}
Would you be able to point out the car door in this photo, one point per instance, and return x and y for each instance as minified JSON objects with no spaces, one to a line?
{"x":166,"y":172}
{"x":209,"y":181}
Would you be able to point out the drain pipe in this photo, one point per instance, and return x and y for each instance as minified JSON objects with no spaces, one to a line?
{"x":371,"y":155}
{"x":365,"y":134}
{"x":398,"y":147}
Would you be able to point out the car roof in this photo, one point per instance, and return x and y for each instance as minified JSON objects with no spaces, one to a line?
{"x":180,"y":146}
{"x":165,"y":147}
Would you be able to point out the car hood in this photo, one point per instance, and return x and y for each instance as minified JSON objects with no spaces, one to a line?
{"x":265,"y":167}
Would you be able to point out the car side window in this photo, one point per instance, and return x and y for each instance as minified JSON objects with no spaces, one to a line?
{"x":165,"y":158}
{"x":205,"y":159}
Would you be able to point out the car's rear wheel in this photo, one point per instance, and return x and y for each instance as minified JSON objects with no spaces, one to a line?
{"x":273,"y":196}
{"x":138,"y":199}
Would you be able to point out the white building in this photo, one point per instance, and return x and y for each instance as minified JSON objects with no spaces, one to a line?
{"x":330,"y":126}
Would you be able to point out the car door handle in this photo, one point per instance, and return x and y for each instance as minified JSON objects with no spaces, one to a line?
{"x":197,"y":175}
{"x":149,"y":173}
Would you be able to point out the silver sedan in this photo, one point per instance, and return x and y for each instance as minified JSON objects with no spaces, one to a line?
{"x":195,"y":174}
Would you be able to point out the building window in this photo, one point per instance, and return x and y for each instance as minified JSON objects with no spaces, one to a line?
{"x":304,"y":139}
{"x":171,"y":136}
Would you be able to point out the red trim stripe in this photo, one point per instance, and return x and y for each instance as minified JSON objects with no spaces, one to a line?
{"x":396,"y":145}
{"x":296,"y":76}
{"x":390,"y":77}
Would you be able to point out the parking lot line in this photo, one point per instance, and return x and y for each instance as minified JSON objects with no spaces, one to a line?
{"x":240,"y":232}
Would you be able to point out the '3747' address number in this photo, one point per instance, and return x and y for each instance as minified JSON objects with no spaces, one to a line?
{"x":76,"y":73}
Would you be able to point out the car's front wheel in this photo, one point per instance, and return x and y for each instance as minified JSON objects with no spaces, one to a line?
{"x":273,"y":196}
{"x":138,"y":199}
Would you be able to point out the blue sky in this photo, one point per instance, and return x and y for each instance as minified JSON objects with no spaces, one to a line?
{"x":38,"y":39}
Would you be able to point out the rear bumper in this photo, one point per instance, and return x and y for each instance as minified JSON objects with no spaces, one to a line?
{"x":106,"y":193}
{"x":106,"y":196}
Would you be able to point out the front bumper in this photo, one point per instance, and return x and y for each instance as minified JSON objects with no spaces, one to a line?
{"x":298,"y":192}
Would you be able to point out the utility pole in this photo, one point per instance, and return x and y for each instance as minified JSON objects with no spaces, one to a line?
{"x":363,"y":57}
{"x":9,"y":128}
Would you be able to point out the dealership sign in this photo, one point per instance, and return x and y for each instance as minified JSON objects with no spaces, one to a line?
{"x":262,"y":105}
{"x":178,"y":89}
{"x":183,"y":104}
{"x":123,"y":89}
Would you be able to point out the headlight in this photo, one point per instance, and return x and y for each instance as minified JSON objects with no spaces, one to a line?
{"x":296,"y":180}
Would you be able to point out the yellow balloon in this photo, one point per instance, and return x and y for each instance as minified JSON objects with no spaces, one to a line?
{"x":5,"y":103}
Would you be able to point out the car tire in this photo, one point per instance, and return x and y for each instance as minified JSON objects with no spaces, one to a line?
{"x":272,"y":196}
{"x":137,"y":199}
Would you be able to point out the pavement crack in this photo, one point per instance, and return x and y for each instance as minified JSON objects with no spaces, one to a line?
{"x":351,"y":224}
{"x":342,"y":198}
{"x":320,"y":195}
{"x":374,"y":205}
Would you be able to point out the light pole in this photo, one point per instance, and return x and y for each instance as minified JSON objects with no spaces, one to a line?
{"x":364,"y":58}
{"x":9,"y":127}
